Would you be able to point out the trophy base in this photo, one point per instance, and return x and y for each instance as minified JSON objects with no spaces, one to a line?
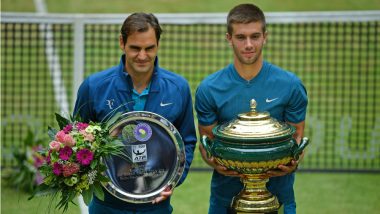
{"x":255,"y":197}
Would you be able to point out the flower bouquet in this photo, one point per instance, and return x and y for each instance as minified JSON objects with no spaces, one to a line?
{"x":73,"y":161}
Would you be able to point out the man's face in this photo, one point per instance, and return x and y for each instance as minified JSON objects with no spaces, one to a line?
{"x":140,"y":52}
{"x":247,"y":41}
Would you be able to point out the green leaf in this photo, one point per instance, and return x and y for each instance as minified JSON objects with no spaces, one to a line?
{"x":67,"y":196}
{"x":102,"y":178}
{"x":62,"y":122}
{"x":43,"y":190}
{"x":63,"y":203}
{"x":98,"y":191}
{"x":52,"y":132}
{"x":72,"y":196}
{"x":76,"y":116}
{"x":102,"y":167}
{"x":94,"y":163}
{"x":87,"y":195}
{"x":113,"y":119}
{"x":54,"y":156}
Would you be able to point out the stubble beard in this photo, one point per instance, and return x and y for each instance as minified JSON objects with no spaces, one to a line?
{"x":140,"y":69}
{"x":247,"y":61}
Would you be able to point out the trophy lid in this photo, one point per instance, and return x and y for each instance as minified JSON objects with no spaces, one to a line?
{"x":255,"y":125}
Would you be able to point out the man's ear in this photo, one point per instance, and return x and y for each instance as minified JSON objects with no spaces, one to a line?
{"x":265,"y":37}
{"x":121,"y":43}
{"x":228,"y":38}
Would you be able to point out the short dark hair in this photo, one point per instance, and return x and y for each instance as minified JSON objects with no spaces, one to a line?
{"x":244,"y":14}
{"x":140,"y":22}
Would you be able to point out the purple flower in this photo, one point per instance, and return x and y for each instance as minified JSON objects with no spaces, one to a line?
{"x":47,"y":158}
{"x":65,"y":153}
{"x":38,"y":161}
{"x":39,"y":178}
{"x":81,"y":126}
{"x":57,"y":168}
{"x":67,"y":129}
{"x":84,"y":156}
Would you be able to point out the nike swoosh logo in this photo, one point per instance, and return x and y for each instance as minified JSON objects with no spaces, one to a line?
{"x":165,"y":104}
{"x":271,"y":100}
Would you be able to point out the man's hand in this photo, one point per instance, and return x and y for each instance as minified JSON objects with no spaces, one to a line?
{"x":164,"y":195}
{"x":287,"y":169}
{"x":212,"y":162}
{"x":283,"y":169}
{"x":221,"y":169}
{"x":207,"y":130}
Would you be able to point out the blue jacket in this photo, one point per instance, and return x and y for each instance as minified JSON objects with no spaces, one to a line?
{"x":169,"y":96}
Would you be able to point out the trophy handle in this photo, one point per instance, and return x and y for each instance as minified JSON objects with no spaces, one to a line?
{"x":207,"y":143}
{"x":301,"y":147}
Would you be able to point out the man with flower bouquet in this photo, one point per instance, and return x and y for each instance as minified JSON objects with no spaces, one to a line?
{"x":139,"y":84}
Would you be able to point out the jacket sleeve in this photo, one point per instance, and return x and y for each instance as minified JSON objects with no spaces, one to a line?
{"x":186,"y":127}
{"x":83,"y":106}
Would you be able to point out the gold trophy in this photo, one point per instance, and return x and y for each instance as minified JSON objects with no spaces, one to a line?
{"x":253,"y":144}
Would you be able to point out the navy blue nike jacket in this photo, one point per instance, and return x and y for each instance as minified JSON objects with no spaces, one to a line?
{"x":169,"y":96}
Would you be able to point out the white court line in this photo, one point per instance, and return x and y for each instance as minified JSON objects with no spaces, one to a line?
{"x":56,"y":74}
{"x":53,"y":61}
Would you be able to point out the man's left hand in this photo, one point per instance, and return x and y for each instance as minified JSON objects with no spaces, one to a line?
{"x":164,"y":195}
{"x":283,"y":169}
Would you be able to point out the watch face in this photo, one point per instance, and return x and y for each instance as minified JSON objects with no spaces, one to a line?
{"x":154,"y":157}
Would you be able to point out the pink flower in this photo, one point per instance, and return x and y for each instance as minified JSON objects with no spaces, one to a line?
{"x":87,"y":136}
{"x":57,"y":168}
{"x":68,"y":140}
{"x":67,"y":129}
{"x":38,"y":161}
{"x":60,"y":136}
{"x":65,"y":153}
{"x":81,"y":126}
{"x":55,"y":145}
{"x":70,"y":169}
{"x":84,"y":157}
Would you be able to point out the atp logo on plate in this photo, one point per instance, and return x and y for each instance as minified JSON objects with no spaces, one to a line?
{"x":139,"y":153}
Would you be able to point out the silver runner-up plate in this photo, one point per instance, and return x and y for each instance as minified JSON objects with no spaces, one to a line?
{"x":156,"y":157}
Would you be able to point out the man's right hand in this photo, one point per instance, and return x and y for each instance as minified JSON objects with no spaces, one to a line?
{"x":207,"y":130}
{"x":214,"y":164}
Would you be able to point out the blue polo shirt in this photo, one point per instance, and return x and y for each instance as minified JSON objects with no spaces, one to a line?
{"x":139,"y":100}
{"x":225,"y":94}
{"x":106,"y":92}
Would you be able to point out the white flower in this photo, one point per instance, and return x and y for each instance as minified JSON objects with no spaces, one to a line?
{"x":91,"y":128}
{"x":92,"y":176}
